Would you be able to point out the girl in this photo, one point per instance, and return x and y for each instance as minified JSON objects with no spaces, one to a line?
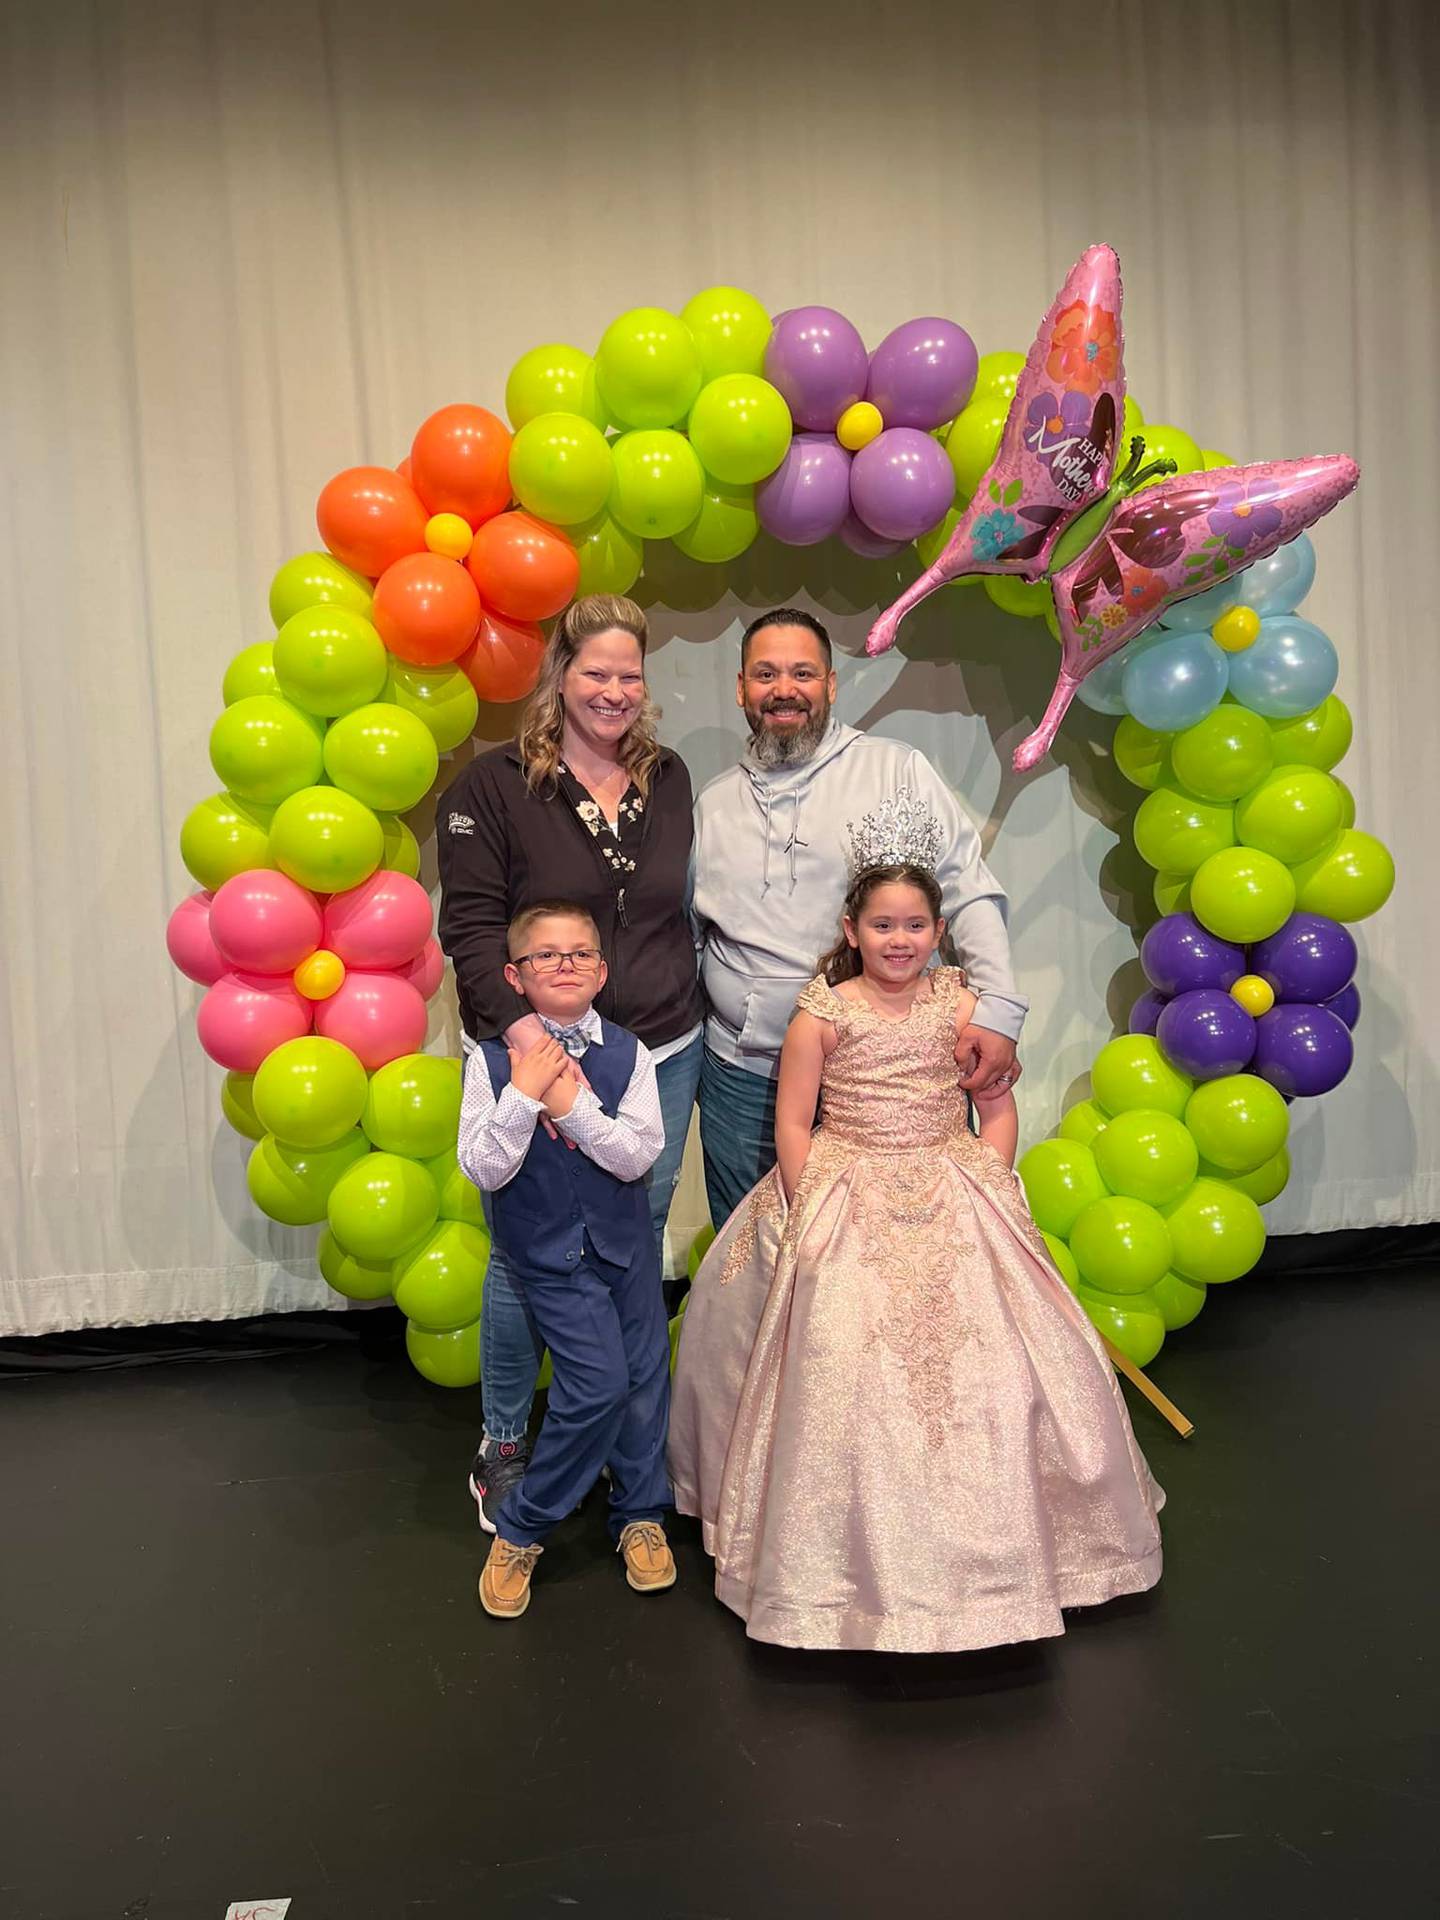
{"x":895,"y":1422}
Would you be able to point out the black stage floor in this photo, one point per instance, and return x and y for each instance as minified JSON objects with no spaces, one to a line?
{"x":242,"y":1658}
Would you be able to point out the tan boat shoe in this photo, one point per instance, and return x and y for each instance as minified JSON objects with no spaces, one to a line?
{"x":505,"y":1580}
{"x":649,"y":1563}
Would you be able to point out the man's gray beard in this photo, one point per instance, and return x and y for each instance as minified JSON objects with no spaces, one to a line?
{"x":791,"y":747}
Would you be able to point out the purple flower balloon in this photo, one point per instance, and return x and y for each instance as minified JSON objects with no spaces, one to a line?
{"x":922,"y":373}
{"x":1205,"y":1034}
{"x":1311,"y":958}
{"x":818,"y":361}
{"x":1302,"y":1051}
{"x":858,"y":537}
{"x":1346,"y":1005}
{"x":1178,"y":955}
{"x":1146,"y":1011}
{"x":902,"y":484}
{"x":807,"y":497}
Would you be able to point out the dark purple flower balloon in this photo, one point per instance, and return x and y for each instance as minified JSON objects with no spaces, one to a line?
{"x":922,"y":373}
{"x":1053,"y":426}
{"x":1302,"y":1051}
{"x":1178,"y":955}
{"x":902,"y":483}
{"x":819,"y":363}
{"x":1205,"y":1034}
{"x":807,"y":497}
{"x":1147,"y":1010}
{"x":1346,"y":1005}
{"x":1311,"y":958}
{"x":1242,"y":521}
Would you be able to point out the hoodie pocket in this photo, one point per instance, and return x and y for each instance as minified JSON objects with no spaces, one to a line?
{"x":768,"y":1007}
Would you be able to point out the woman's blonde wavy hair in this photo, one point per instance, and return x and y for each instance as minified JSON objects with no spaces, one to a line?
{"x":542,"y":725}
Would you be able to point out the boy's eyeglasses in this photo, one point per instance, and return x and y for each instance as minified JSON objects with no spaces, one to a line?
{"x":550,"y":960}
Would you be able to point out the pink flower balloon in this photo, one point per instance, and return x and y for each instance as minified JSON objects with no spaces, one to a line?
{"x":378,"y":1016}
{"x":245,"y":1016}
{"x":190,"y":945}
{"x":264,"y":922}
{"x":384,"y":922}
{"x":426,"y":973}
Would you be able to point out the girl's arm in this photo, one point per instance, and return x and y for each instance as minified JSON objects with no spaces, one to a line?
{"x":801,"y":1059}
{"x":999,"y":1122}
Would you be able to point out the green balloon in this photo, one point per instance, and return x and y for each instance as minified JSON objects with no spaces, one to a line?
{"x":1348,"y":881}
{"x":1347,"y":803}
{"x":310,"y":1092}
{"x":1317,"y":739}
{"x":1120,"y":1245}
{"x":610,"y":556}
{"x":413,"y":1107}
{"x":560,"y":468}
{"x":382,"y":755}
{"x":442,"y":697}
{"x":699,"y":1247}
{"x":1264,"y":1184}
{"x":356,"y":1279}
{"x":1225,"y":754}
{"x":648,"y":369}
{"x":1064,"y":1260}
{"x":382,"y":1206}
{"x":1238,"y":1121}
{"x":931,"y":545}
{"x":1293,"y":813}
{"x":1216,"y":1233}
{"x":974,"y":439}
{"x":740,"y":427}
{"x":1061,"y":1179}
{"x":998,"y":374}
{"x":294,"y":1184}
{"x":223,"y":836}
{"x":325,"y":839}
{"x":330,"y":660}
{"x":265,"y":748}
{"x":1170,"y":443}
{"x":1147,"y":1155}
{"x":1132,"y":1323}
{"x":1131,"y":1072}
{"x":252,"y":671}
{"x":1029,"y":600}
{"x":731,"y":331}
{"x":314,"y":580}
{"x":439,"y":1284}
{"x":1143,"y":755}
{"x":659,"y":484}
{"x":459,"y":1196}
{"x":553,"y":379}
{"x":237,"y":1103}
{"x":445,"y":1359}
{"x":1176,"y":833}
{"x":1172,"y":892}
{"x":399,"y":849}
{"x":724,"y":527}
{"x":1083,"y":1122}
{"x":1242,"y":894}
{"x":1178,"y":1299}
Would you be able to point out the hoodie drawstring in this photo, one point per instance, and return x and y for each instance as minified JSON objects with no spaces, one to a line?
{"x":765,"y":869}
{"x":795,"y":838}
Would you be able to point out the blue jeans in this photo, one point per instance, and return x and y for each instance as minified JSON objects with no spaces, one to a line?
{"x":510,"y":1346}
{"x":737,"y":1132}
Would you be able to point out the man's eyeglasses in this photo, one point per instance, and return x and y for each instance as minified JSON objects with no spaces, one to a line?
{"x":551,"y":960}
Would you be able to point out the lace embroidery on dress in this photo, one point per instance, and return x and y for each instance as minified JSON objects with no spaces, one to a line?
{"x":764,"y":1208}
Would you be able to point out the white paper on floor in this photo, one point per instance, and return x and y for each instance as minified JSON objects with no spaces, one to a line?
{"x":257,"y":1910}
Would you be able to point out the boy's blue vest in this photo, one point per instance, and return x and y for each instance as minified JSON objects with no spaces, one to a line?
{"x":561,"y":1202}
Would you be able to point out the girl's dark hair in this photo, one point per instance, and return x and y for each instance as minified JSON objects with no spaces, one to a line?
{"x":842,"y":962}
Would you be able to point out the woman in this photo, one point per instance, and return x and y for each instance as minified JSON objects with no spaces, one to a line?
{"x":586,"y":806}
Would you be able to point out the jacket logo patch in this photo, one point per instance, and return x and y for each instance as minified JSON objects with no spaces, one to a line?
{"x":461,"y":823}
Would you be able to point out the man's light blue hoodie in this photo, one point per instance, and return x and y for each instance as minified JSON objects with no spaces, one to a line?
{"x":771,"y":872}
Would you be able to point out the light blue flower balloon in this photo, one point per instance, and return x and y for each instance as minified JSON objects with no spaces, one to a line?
{"x":1279,"y":582}
{"x":1176,"y":684}
{"x":1200,"y":612}
{"x":1100,"y":690}
{"x":1290,"y":670}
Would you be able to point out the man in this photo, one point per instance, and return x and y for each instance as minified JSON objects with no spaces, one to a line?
{"x":770,"y":879}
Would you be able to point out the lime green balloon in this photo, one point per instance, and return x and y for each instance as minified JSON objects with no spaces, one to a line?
{"x":1147,"y":1155}
{"x":1238,"y":1121}
{"x":1061,"y":1179}
{"x":382,"y":1206}
{"x":1242,"y":894}
{"x":439,"y":1285}
{"x":383,"y":755}
{"x":974,"y":439}
{"x":1347,"y":803}
{"x":1318,"y":739}
{"x":1177,"y":833}
{"x":730,"y":329}
{"x":1224,"y":755}
{"x":399,"y":849}
{"x":413,"y":1107}
{"x":1170,"y":443}
{"x":1030,"y":600}
{"x":310,"y":1092}
{"x":459,"y":1196}
{"x":659,"y":484}
{"x":1293,"y":813}
{"x":326,"y":839}
{"x":1348,"y":881}
{"x":314,"y":580}
{"x":356,"y":1279}
{"x":553,"y":379}
{"x":237,"y":1103}
{"x":1172,"y":892}
{"x":1264,"y":1184}
{"x":740,"y":427}
{"x":931,"y":545}
{"x":699,"y":1247}
{"x":223,"y":836}
{"x":1131,"y":1072}
{"x":294,"y":1184}
{"x":1083,"y":1122}
{"x":1216,"y":1233}
{"x":725,"y":526}
{"x":1064,"y":1260}
{"x":265,"y":748}
{"x":442,"y":697}
{"x":610,"y":556}
{"x":1120,"y":1245}
{"x":330,"y":660}
{"x":1142,"y":754}
{"x":998,"y":375}
{"x":252,"y":671}
{"x":1133,"y":1324}
{"x":560,"y":468}
{"x":1178,"y":1299}
{"x":1132,"y":421}
{"x":648,"y":368}
{"x":445,"y":1359}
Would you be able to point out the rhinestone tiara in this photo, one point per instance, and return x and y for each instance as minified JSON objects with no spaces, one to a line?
{"x":901,"y":832}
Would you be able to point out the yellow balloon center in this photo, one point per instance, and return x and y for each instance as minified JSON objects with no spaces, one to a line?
{"x":1237,"y":629}
{"x":1255,"y":995}
{"x":449,"y":535}
{"x":323,"y":972}
{"x":859,"y":425}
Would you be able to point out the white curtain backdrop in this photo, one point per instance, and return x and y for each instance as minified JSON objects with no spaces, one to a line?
{"x":248,"y":246}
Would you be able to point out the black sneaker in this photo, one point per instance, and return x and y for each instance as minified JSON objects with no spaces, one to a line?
{"x":496,"y":1468}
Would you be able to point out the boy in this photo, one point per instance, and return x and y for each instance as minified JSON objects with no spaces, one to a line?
{"x":572,"y":1216}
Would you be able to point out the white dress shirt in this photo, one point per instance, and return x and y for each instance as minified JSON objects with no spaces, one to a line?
{"x":495,"y":1135}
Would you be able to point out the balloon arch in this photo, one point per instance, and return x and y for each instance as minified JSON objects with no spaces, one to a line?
{"x":1172,"y":587}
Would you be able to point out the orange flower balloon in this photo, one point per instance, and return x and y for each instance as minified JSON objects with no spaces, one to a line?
{"x":524,"y":569}
{"x":460,"y":463}
{"x":369,"y":517}
{"x":504,"y":662}
{"x":427,"y":609}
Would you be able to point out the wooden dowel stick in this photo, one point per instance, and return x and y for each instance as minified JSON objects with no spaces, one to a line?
{"x":1151,"y":1392}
